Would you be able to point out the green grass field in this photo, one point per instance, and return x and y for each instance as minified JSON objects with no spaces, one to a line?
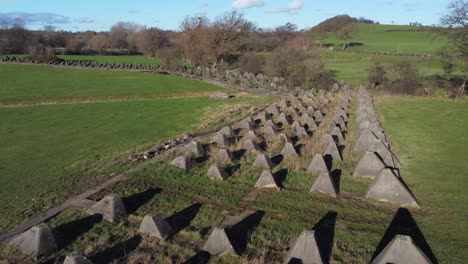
{"x":391,"y":38}
{"x":29,"y":84}
{"x":430,"y":137}
{"x":426,"y":134}
{"x":47,"y":149}
{"x":354,"y":68}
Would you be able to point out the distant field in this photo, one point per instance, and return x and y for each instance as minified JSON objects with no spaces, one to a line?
{"x":354,"y":68}
{"x":49,"y":151}
{"x":392,"y":38}
{"x":35,"y":84}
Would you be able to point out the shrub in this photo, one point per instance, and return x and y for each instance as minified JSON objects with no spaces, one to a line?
{"x":377,"y":76}
{"x":250,"y":62}
{"x":406,"y":78}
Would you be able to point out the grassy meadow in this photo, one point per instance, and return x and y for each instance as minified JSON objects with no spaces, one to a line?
{"x":48,"y":150}
{"x":392,"y":39}
{"x":29,"y":84}
{"x":430,"y":149}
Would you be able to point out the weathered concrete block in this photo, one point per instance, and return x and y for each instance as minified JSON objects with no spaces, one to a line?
{"x":401,"y":249}
{"x":305,"y":249}
{"x":317,"y":165}
{"x":182,"y":162}
{"x":325,"y":184}
{"x":267,"y":180}
{"x":37,"y":241}
{"x":387,"y":186}
{"x":215,"y":172}
{"x":263,"y":161}
{"x":111,"y":207}
{"x":155,"y":225}
{"x":370,"y":165}
{"x":333,"y":151}
{"x":289,"y":151}
{"x":219,"y":243}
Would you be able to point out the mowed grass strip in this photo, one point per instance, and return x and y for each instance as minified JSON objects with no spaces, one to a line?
{"x":29,"y":84}
{"x":430,"y":137}
{"x":44,"y":150}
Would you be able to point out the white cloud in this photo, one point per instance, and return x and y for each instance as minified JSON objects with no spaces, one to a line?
{"x":84,"y":20}
{"x":242,"y":4}
{"x":292,"y":7}
{"x":296,"y":4}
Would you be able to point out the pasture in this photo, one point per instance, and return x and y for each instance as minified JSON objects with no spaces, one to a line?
{"x":391,"y":39}
{"x":60,"y":127}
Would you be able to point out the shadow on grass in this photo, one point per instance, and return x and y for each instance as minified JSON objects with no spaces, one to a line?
{"x":404,"y":224}
{"x":324,"y":234}
{"x":118,"y":251}
{"x":135,"y":201}
{"x":67,"y":233}
{"x":239,"y":234}
{"x":182,"y":219}
{"x":201,"y":257}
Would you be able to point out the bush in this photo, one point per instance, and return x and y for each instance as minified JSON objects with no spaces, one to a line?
{"x":406,"y":78}
{"x":250,"y":62}
{"x":377,"y":76}
{"x":299,"y":68}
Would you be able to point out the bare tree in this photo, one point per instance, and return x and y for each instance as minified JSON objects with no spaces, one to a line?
{"x":121,"y":33}
{"x":456,"y":23}
{"x":226,"y":30}
{"x":193,"y":39}
{"x":99,"y":42}
{"x":346,"y":33}
{"x":150,"y":41}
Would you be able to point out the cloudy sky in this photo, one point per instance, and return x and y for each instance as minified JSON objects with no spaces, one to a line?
{"x":101,"y":14}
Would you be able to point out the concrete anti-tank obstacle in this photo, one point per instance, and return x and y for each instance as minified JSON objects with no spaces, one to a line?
{"x":326,"y":140}
{"x":182,"y":162}
{"x":195,"y":148}
{"x":220,"y":140}
{"x":227,"y":131}
{"x":318,"y":116}
{"x":263,"y":161}
{"x":224,"y":156}
{"x":365,"y":141}
{"x":251,"y":135}
{"x":325,"y":184}
{"x":250,"y":146}
{"x":219,"y":243}
{"x":333,"y":151}
{"x":267,"y":180}
{"x":388,"y":187}
{"x":37,"y":241}
{"x":305,"y":249}
{"x":289,"y":150}
{"x":156,"y":226}
{"x":337,"y":133}
{"x":111,"y":207}
{"x":317,"y":165}
{"x":401,"y":250}
{"x":370,"y":165}
{"x":385,"y":153}
{"x":403,"y":242}
{"x":76,"y":258}
{"x":215,"y":172}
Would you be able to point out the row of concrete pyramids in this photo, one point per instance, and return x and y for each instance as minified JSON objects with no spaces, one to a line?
{"x":331,"y":141}
{"x":40,"y":240}
{"x":300,"y":115}
{"x":402,"y":243}
{"x":378,"y":160}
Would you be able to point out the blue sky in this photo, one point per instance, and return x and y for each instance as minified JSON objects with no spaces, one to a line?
{"x":99,"y":15}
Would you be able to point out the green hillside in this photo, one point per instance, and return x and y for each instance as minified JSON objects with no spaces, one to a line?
{"x":391,"y":38}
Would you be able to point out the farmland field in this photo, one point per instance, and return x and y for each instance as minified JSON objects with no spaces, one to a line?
{"x":48,"y":150}
{"x":392,"y":39}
